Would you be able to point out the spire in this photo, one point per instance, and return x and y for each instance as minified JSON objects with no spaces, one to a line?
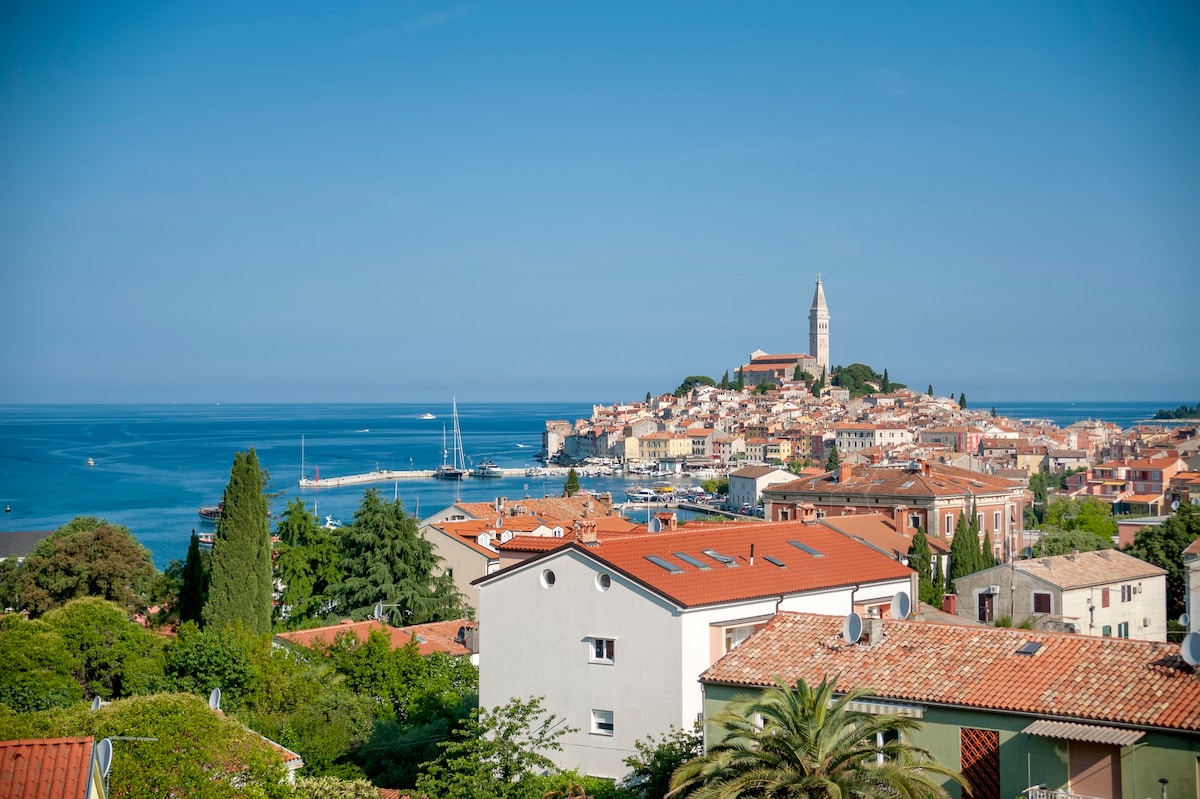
{"x":819,"y":296}
{"x":818,"y":327}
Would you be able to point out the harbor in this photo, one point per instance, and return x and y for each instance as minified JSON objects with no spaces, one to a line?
{"x":394,"y":475}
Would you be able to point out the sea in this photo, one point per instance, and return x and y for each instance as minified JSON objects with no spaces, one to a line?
{"x":154,"y":466}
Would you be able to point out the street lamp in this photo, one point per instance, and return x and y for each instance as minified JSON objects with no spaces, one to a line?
{"x":1163,"y":782}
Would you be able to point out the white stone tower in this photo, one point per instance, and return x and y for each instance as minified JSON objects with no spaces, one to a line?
{"x":818,"y":328}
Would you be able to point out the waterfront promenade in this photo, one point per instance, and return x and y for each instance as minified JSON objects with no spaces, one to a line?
{"x":393,"y":475}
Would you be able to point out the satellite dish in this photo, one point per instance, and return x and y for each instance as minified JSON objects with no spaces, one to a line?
{"x":1190,"y":648}
{"x":96,"y":703}
{"x":214,"y":699}
{"x":901,"y":605}
{"x":378,"y":611}
{"x":655,"y":525}
{"x":852,"y":628}
{"x":1184,"y":619}
{"x":103,"y":757}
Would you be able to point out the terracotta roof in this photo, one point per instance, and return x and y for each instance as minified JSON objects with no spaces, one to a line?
{"x":843,"y":561}
{"x":47,"y":768}
{"x":880,"y":530}
{"x":942,"y":481}
{"x":1193,"y":549}
{"x":1074,"y":677}
{"x":433,"y":637}
{"x":754,"y":472}
{"x":552,"y":507}
{"x":1088,"y":568}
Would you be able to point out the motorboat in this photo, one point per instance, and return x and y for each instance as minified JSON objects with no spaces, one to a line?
{"x":427,"y":416}
{"x":91,"y":462}
{"x":211,"y":513}
{"x":485,"y":468}
{"x":642,"y":495}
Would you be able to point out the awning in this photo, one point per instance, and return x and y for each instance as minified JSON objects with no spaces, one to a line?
{"x":887,"y":708}
{"x":1091,"y":733}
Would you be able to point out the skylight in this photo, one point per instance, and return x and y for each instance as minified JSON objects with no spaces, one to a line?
{"x":719,"y":558}
{"x":909,"y":484}
{"x":686,"y":558}
{"x":1029,"y":647}
{"x":778,"y":563}
{"x":806,"y":548}
{"x":663,"y":564}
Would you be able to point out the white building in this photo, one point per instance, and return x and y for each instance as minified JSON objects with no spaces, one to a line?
{"x":614,"y":633}
{"x":746,"y":484}
{"x":851,"y":437}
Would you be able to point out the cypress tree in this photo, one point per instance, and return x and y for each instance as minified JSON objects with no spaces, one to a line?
{"x":918,"y":561}
{"x":725,"y":380}
{"x":885,"y":385}
{"x":929,"y":391}
{"x":240,"y":579}
{"x":939,"y":585}
{"x":194,"y":591}
{"x":964,"y":551}
{"x":571,"y":486}
{"x":987,"y":557}
{"x":962,"y":400}
{"x":741,"y":380}
{"x":834,"y":460}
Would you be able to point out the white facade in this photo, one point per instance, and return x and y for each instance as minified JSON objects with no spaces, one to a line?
{"x":538,"y":637}
{"x":746,"y":485}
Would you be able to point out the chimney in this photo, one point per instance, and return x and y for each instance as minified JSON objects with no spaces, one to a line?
{"x":1074,"y":556}
{"x":900,"y":518}
{"x":500,"y":503}
{"x":752,"y":554}
{"x":872,"y":629}
{"x":587,"y":534}
{"x":926,"y":468}
{"x":845,"y":471}
{"x":588,"y":507}
{"x":673,"y":522}
{"x":808,"y":513}
{"x":1047,"y":563}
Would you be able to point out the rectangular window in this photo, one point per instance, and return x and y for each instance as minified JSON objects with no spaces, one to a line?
{"x":949,"y":524}
{"x":1041,"y":603}
{"x":995,"y":521}
{"x":1127,"y":593}
{"x":979,"y":520}
{"x":914,"y":521}
{"x":602,"y":722}
{"x":1103,"y":597}
{"x":1123,"y":630}
{"x":735,"y":635}
{"x":1106,"y":631}
{"x":882,"y":738}
{"x":603,"y":650}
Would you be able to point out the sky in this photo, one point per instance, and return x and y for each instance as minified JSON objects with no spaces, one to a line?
{"x":400,"y":201}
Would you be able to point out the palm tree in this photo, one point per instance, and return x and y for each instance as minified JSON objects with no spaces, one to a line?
{"x":807,"y":742}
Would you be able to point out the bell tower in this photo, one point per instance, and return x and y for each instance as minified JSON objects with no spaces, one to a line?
{"x":818,"y":328}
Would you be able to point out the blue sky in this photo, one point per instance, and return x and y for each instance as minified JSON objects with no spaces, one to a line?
{"x":584,"y":202}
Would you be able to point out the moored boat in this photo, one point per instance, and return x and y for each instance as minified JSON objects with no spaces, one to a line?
{"x":454,"y":463}
{"x":641,"y":495}
{"x":210,"y":513}
{"x":485,"y":468}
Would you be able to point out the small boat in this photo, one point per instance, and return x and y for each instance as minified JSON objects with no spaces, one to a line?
{"x":331,"y":523}
{"x":205,"y":540}
{"x":427,"y":416}
{"x":91,"y":462}
{"x":210,"y":513}
{"x":485,"y":468}
{"x":642,"y":495}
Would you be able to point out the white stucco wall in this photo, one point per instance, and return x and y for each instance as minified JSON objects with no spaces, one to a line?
{"x":534,"y":641}
{"x":1149,"y":601}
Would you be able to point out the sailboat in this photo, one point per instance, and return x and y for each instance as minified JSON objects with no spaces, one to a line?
{"x":454,"y":463}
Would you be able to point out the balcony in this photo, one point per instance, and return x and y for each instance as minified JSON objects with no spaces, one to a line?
{"x":1041,"y":792}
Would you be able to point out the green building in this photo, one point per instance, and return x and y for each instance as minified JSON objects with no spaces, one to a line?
{"x":1019,"y":712}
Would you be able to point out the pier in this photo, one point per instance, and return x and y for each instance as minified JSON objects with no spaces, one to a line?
{"x":393,"y":475}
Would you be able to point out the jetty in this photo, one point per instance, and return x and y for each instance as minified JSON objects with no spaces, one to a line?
{"x":393,"y":475}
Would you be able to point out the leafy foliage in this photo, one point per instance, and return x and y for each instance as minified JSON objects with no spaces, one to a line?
{"x":1083,"y":513}
{"x":1061,"y":542}
{"x":920,"y":561}
{"x":385,"y":559}
{"x":113,"y":656}
{"x":495,"y":754}
{"x":86,"y":557}
{"x":964,"y":550}
{"x":571,"y":486}
{"x":834,"y":460}
{"x":691,"y":381}
{"x":308,"y":562}
{"x":1163,"y":546}
{"x":193,"y":591}
{"x":657,"y":759}
{"x":195,"y":753}
{"x":334,"y":788}
{"x":861,"y":380}
{"x":1182,"y":412}
{"x":240,"y":580}
{"x":36,"y":668}
{"x":811,"y":744}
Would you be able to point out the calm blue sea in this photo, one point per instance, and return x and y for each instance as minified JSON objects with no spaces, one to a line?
{"x":155,"y":465}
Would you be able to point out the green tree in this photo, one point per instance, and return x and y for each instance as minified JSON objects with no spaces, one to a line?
{"x":198,"y":661}
{"x":987,"y":555}
{"x":885,"y":385}
{"x":994,"y":414}
{"x":1054,"y":541}
{"x":834,"y":460}
{"x":571,"y":486}
{"x":647,"y":397}
{"x":193,"y":592}
{"x":741,"y":379}
{"x":763,"y":388}
{"x":1083,"y":513}
{"x":191,"y":751}
{"x":808,"y":742}
{"x":87,"y":557}
{"x":496,"y":752}
{"x":919,"y":558}
{"x":240,"y":580}
{"x":962,"y":400}
{"x":964,"y":550}
{"x":657,"y":759}
{"x":36,"y":668}
{"x":691,"y":381}
{"x":334,"y":788}
{"x":939,"y":584}
{"x":385,"y":559}
{"x":1163,"y":546}
{"x":725,"y":380}
{"x":929,"y":391}
{"x":308,"y":562}
{"x":113,"y":657}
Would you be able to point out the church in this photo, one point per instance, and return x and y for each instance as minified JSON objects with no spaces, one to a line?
{"x":766,"y":368}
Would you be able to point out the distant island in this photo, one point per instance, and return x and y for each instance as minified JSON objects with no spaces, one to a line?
{"x":1182,"y":412}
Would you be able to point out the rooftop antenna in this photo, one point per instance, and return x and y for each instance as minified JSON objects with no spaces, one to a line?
{"x":852,"y":628}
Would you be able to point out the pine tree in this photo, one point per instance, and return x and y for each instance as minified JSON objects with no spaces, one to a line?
{"x":962,"y":401}
{"x":240,"y":581}
{"x":834,"y":460}
{"x":918,"y":560}
{"x":194,"y":590}
{"x":386,"y":559}
{"x":725,"y":380}
{"x":571,"y":486}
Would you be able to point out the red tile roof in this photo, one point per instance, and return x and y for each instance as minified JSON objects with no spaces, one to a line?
{"x":47,"y":768}
{"x":1070,"y":676}
{"x":433,"y":637}
{"x":844,"y":562}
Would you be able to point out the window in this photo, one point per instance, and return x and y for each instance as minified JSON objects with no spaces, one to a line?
{"x":1123,"y":630}
{"x":882,"y":738}
{"x":949,"y":524}
{"x":603,"y":650}
{"x":547,"y":578}
{"x":735,"y":635}
{"x":1103,"y":597}
{"x":1106,"y":631}
{"x":603,"y":581}
{"x":602,"y":722}
{"x":1127,"y":593}
{"x":996,"y":521}
{"x":914,"y":520}
{"x":1041,"y":603}
{"x":979,"y":520}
